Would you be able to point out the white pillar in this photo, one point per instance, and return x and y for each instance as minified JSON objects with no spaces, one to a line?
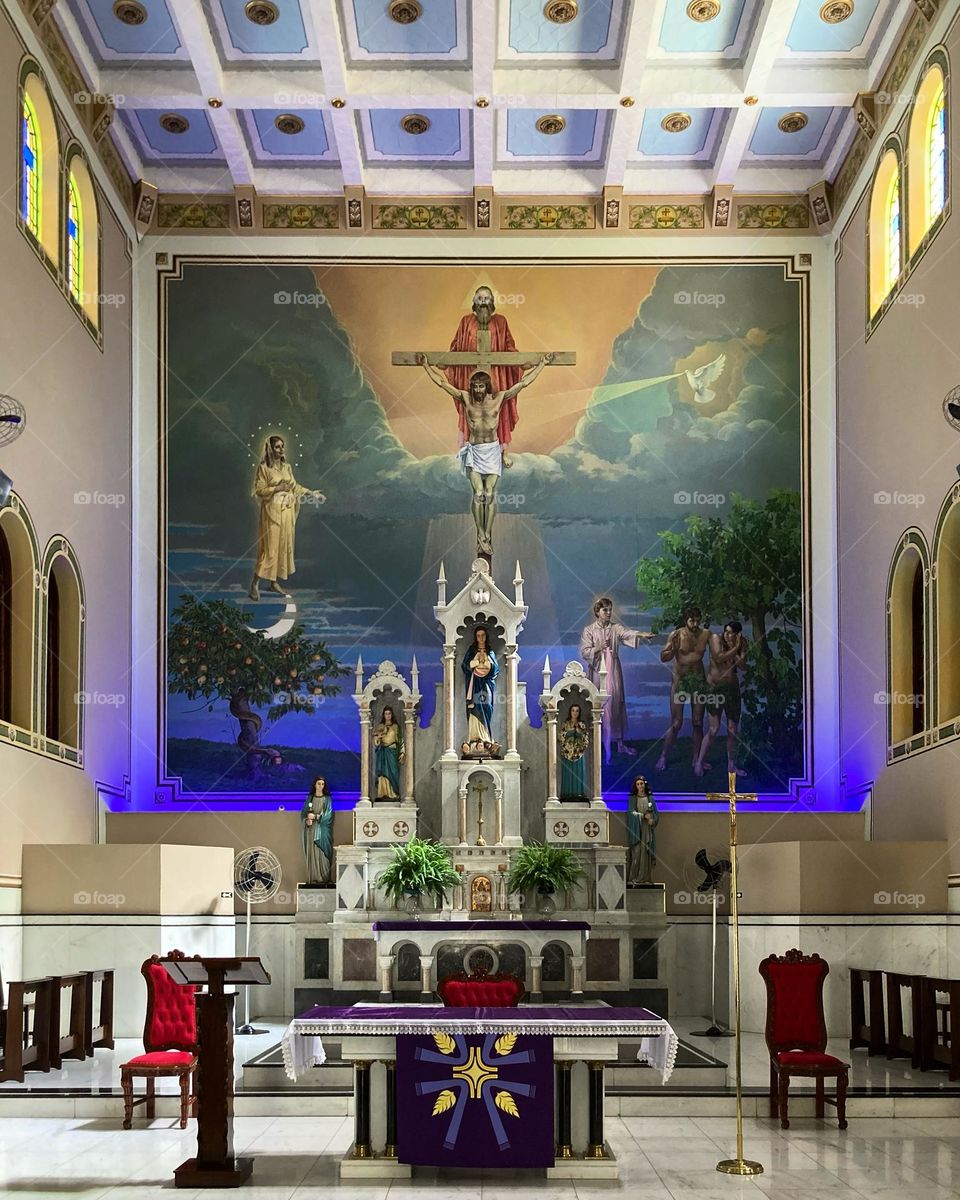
{"x":596,"y":751}
{"x":449,"y":749}
{"x":365,"y":751}
{"x":577,"y":963}
{"x":498,"y":794}
{"x":551,"y":715}
{"x":513,"y":660}
{"x":536,"y":973}
{"x":426,"y":966}
{"x":409,"y":716}
{"x":385,"y":962}
{"x":463,"y":811}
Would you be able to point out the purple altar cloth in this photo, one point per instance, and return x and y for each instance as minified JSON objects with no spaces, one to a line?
{"x":406,"y":926}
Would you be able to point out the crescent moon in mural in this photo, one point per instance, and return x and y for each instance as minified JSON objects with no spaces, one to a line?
{"x":284,"y":624}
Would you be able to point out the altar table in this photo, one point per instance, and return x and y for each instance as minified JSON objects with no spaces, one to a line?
{"x":585,"y":1038}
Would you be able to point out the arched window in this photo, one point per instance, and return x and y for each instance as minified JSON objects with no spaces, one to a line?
{"x":18,"y":599}
{"x":63,"y":645}
{"x":946,"y":556}
{"x":906,"y":639}
{"x":886,"y":230}
{"x":39,"y":206}
{"x":927,"y":148}
{"x":82,"y":249}
{"x":74,"y":241}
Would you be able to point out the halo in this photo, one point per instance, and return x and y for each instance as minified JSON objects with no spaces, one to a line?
{"x":291,"y":437}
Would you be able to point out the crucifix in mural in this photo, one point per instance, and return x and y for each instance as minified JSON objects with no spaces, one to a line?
{"x":484,"y":373}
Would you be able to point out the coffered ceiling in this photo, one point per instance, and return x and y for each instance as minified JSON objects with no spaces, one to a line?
{"x":436,"y":97}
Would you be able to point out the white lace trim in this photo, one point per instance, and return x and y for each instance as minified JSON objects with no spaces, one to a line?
{"x":302,"y":1046}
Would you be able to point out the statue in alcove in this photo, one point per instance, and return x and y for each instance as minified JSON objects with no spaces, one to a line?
{"x":643,"y":816}
{"x":316,"y":832}
{"x":388,"y":755}
{"x":480,"y":670}
{"x":573,"y":739}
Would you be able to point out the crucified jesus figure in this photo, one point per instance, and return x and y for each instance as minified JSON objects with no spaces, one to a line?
{"x":481,"y":456}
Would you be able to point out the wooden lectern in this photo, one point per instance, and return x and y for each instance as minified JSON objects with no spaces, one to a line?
{"x":215,"y":1164}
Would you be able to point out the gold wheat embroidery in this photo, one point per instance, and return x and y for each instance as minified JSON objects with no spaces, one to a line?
{"x":505,"y":1101}
{"x":445,"y":1100}
{"x":504,"y":1044}
{"x":445,"y":1043}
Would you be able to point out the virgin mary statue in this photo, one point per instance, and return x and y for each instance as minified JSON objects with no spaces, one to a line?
{"x":480,"y":670}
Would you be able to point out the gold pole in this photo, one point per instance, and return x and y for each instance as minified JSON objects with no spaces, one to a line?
{"x":738,"y":1165}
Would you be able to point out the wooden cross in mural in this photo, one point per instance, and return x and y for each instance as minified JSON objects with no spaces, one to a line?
{"x":483,"y":358}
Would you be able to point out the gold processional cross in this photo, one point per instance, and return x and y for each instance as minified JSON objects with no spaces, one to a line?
{"x":738,"y":1165}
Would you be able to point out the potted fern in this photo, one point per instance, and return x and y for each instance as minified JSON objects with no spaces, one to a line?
{"x":544,"y":869}
{"x":418,"y":867}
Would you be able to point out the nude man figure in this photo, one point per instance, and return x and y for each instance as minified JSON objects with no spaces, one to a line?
{"x":481,"y":456}
{"x":728,"y":653}
{"x":685,"y":648}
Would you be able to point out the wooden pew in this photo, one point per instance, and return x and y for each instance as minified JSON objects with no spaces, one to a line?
{"x":98,"y":1018}
{"x":72,"y":1043}
{"x":940,"y":1026}
{"x":26,"y":1028}
{"x":867,"y":1027}
{"x":899,"y":1043}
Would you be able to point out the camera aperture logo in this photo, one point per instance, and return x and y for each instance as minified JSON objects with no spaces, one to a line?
{"x":100,"y":899}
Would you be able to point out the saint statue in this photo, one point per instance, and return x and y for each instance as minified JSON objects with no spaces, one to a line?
{"x":484,"y":317}
{"x":480,"y":670}
{"x":481,"y":455}
{"x":316,"y":832}
{"x":388,"y":755}
{"x":600,"y":644}
{"x":643,"y":816}
{"x":280,"y":496}
{"x":574,"y":738}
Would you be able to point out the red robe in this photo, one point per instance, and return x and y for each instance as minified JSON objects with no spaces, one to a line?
{"x":501,"y":340}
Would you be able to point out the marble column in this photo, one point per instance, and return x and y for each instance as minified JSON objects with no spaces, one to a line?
{"x":361,"y":1110}
{"x":596,"y":752}
{"x":409,"y":717}
{"x":513,"y":660}
{"x":577,"y":964}
{"x":463,"y":811}
{"x":498,"y":797}
{"x":385,"y":963}
{"x":365,"y":752}
{"x":551,"y":717}
{"x":536,"y":976}
{"x":449,"y":676}
{"x":426,"y":966}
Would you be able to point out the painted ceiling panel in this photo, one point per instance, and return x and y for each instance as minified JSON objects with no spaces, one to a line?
{"x":447,"y":138}
{"x":581,"y":139}
{"x":436,"y":33}
{"x":810,"y":34}
{"x":655,"y":140}
{"x":110,"y":39}
{"x":680,"y":34}
{"x":198,"y":142}
{"x":286,"y":36}
{"x":532,"y":33}
{"x":769,"y":141}
{"x":270,"y":145}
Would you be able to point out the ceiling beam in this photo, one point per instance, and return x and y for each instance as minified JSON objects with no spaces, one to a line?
{"x":627,"y":119}
{"x":483,"y":35}
{"x":191,"y":22}
{"x":333,"y":61}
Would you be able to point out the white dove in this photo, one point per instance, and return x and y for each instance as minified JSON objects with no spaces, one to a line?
{"x":702,"y":376}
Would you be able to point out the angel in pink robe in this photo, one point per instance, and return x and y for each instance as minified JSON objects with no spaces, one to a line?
{"x":600,"y":644}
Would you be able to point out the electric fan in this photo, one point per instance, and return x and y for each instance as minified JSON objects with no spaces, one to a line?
{"x":712,"y":866}
{"x":13,"y":421}
{"x":256,"y":877}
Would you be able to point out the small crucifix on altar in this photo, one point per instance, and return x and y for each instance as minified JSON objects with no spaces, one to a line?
{"x":484,"y":372}
{"x":481,"y":787}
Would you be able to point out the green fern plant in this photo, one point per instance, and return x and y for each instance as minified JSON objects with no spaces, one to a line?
{"x":543,"y":868}
{"x":418,"y":867}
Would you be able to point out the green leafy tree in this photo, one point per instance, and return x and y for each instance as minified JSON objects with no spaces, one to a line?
{"x":745,"y":567}
{"x":213,"y":655}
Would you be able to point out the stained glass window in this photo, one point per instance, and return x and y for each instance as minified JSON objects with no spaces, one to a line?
{"x":936,"y":160}
{"x":30,"y":169}
{"x":893,"y":233}
{"x":74,"y":243}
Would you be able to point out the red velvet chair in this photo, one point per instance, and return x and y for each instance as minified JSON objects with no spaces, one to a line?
{"x":169,"y":1041}
{"x":480,"y":990}
{"x":796,"y":1032}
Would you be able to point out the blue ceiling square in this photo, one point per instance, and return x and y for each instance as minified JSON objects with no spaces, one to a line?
{"x":689,"y":143}
{"x":446,"y":139}
{"x":580,"y":141}
{"x":769,"y":141}
{"x":434,"y":34}
{"x":596,"y":23}
{"x":111,"y":40}
{"x":270,"y":146}
{"x":197,"y":144}
{"x":680,"y":34}
{"x":810,"y":34}
{"x":242,"y":38}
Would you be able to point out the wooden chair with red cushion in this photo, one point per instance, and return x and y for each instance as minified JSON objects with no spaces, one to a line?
{"x":796,"y":1032}
{"x":480,"y":990}
{"x":169,"y":1041}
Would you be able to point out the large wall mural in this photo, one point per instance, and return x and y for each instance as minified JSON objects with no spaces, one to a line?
{"x":632,"y":432}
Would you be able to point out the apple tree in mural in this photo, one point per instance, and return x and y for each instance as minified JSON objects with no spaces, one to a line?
{"x":213,"y":655}
{"x":746,"y":567}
